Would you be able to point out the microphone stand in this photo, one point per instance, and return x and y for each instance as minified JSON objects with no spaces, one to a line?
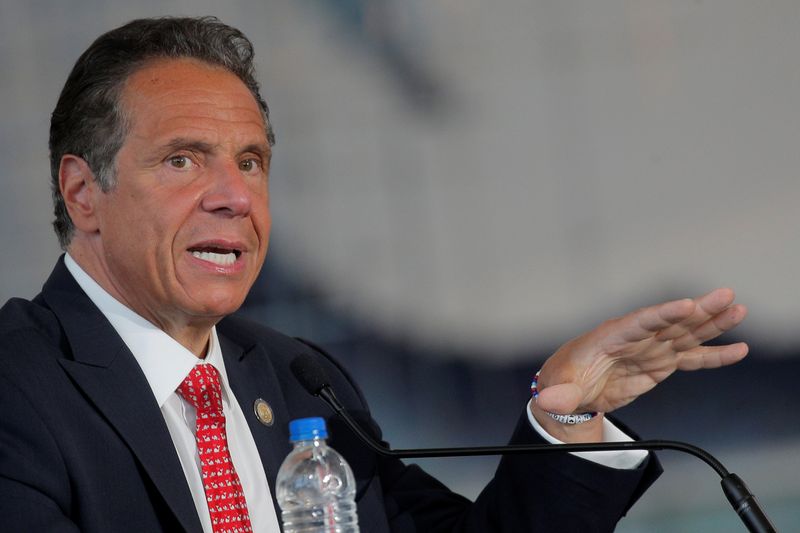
{"x":739,"y":496}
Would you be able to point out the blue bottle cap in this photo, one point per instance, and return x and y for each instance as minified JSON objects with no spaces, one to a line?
{"x":307,"y":429}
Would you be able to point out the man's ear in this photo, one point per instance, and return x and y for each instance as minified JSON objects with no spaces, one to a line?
{"x":80,"y":191}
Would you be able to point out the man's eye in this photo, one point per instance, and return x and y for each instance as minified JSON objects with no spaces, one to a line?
{"x":180,"y":162}
{"x":248,"y":165}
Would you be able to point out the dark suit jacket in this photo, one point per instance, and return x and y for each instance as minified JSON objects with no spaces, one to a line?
{"x":84,"y":447}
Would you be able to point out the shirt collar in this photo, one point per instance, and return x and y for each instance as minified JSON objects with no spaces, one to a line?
{"x":164,"y":361}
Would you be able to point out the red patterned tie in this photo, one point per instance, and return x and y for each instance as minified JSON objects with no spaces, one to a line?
{"x":224,"y":494}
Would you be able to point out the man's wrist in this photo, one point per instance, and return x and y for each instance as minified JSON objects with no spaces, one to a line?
{"x":569,"y":419}
{"x":590,"y":431}
{"x":621,"y":459}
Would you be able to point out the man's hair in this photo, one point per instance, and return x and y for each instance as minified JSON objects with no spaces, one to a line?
{"x":89,"y":119}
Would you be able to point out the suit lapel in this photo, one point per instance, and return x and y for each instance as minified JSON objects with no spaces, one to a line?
{"x":106,"y":371}
{"x":252,"y":376}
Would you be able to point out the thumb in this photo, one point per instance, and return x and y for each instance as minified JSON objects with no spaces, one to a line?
{"x":561,"y":399}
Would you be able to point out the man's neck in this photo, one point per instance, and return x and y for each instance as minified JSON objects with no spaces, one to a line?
{"x":194,"y":336}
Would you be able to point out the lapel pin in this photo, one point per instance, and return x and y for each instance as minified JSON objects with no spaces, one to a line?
{"x":263,"y":412}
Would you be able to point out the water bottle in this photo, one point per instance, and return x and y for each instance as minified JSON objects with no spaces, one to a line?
{"x":315,"y":487}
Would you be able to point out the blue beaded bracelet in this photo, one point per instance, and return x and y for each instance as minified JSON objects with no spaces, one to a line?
{"x":571,"y":420}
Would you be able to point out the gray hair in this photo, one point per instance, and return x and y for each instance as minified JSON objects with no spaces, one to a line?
{"x":89,"y":119}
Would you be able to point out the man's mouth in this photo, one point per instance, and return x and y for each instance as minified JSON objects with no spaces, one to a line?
{"x":219,"y":256}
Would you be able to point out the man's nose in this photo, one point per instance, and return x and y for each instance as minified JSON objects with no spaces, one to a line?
{"x":230,"y":192}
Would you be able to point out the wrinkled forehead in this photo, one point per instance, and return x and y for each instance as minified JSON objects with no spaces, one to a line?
{"x":161,"y":84}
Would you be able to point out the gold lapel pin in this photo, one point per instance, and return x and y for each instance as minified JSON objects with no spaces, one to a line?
{"x":263,"y":412}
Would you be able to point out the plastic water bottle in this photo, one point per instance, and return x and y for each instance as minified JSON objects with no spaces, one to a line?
{"x":315,"y":487}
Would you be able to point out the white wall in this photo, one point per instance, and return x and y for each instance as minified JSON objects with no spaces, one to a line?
{"x":589,"y":158}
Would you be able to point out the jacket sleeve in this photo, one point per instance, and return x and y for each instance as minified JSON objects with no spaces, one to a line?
{"x":528,"y":493}
{"x":33,"y":480}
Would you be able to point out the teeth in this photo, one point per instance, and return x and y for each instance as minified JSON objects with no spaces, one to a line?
{"x":218,"y":259}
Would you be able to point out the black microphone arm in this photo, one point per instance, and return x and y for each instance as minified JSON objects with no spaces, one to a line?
{"x":311,"y":375}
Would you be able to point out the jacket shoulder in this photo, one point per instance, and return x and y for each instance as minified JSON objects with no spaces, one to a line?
{"x":29,"y":319}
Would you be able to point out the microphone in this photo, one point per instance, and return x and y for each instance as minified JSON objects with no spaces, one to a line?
{"x":312,"y":376}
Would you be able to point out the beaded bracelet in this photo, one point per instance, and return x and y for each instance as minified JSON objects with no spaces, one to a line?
{"x":571,"y":420}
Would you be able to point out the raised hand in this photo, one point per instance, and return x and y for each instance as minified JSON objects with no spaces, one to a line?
{"x":625,"y":357}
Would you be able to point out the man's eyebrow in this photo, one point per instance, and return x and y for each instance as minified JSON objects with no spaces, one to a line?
{"x":263,"y":150}
{"x":182,"y":143}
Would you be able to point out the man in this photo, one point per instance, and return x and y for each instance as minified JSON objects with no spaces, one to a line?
{"x":160,"y":152}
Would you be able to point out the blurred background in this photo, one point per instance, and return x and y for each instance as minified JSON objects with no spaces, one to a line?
{"x":460,"y":186}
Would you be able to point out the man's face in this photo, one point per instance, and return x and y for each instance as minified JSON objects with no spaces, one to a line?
{"x":183,"y":234}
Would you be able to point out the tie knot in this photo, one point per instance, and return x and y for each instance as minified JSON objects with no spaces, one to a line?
{"x":201,"y":388}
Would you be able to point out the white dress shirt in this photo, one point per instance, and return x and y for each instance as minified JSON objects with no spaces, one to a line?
{"x":165,"y":364}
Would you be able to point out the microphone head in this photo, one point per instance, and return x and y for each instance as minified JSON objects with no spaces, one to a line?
{"x":309,"y":373}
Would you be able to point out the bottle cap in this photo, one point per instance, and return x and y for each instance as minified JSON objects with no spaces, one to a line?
{"x":307,"y":429}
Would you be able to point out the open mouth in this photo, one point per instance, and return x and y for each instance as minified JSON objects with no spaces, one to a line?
{"x":217,"y":256}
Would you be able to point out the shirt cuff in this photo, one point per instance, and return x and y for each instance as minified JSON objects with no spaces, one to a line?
{"x":620,"y":459}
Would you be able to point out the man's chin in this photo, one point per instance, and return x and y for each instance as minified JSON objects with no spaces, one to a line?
{"x":216,"y":308}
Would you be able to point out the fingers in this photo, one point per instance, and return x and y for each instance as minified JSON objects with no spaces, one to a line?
{"x":712,"y":356}
{"x":712,"y":328}
{"x":648,"y":321}
{"x":716,"y":300}
{"x":669,"y":320}
{"x":659,"y":317}
{"x":706,"y":306}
